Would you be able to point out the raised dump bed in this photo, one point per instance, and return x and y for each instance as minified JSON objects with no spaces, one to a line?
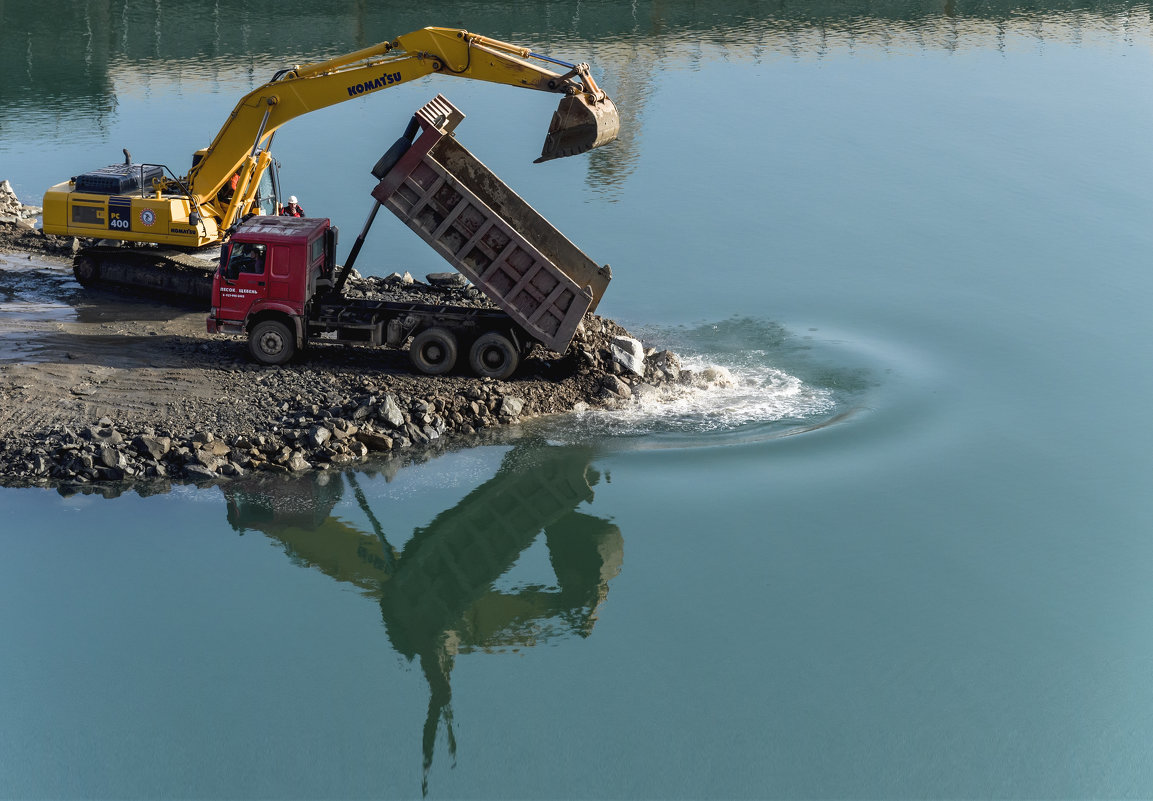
{"x":486,"y":231}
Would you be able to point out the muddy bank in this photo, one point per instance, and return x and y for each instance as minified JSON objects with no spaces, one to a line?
{"x":101,"y":389}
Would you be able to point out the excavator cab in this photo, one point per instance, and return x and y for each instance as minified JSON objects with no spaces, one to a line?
{"x":267,"y":198}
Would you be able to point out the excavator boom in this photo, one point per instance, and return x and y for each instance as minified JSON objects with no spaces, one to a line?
{"x":224,"y":184}
{"x":586,"y":117}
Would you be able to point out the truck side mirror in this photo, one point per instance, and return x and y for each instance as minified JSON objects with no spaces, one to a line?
{"x":331,"y":237}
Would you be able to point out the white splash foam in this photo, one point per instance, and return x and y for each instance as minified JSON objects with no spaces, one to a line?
{"x":717,"y":398}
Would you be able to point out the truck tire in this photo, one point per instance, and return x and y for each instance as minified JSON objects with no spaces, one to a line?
{"x":271,"y":342}
{"x":433,"y":351}
{"x":493,"y":355}
{"x":86,"y":269}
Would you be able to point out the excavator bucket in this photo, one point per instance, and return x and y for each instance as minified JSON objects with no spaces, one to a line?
{"x":580,"y":124}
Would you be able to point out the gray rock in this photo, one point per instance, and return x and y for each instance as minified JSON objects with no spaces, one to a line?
{"x":615,"y":386}
{"x":629,"y":354}
{"x":297,"y":463}
{"x":318,"y":435}
{"x":216,"y":447}
{"x":390,"y":412}
{"x":363,"y":411}
{"x":232,"y":469}
{"x":511,"y":406}
{"x":447,"y":280}
{"x":105,"y":436}
{"x":110,"y":457}
{"x":199,"y":472}
{"x":668,"y":363}
{"x":154,"y":447}
{"x":206,"y":460}
{"x":375,"y":442}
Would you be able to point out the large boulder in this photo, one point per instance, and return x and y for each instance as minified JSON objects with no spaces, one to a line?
{"x":629,"y":354}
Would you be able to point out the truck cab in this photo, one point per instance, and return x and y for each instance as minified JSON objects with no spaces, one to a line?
{"x":270,"y":270}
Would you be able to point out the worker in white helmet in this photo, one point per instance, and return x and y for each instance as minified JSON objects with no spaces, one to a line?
{"x":292,"y":208}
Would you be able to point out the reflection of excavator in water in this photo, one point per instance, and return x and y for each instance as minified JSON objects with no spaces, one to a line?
{"x":132,"y":204}
{"x":437,"y":594}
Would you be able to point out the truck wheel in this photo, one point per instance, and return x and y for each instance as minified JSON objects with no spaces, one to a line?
{"x":433,"y":351}
{"x":86,"y":269}
{"x":493,"y":356}
{"x":270,"y":342}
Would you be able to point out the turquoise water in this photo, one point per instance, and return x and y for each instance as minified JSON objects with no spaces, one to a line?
{"x":904,"y":551}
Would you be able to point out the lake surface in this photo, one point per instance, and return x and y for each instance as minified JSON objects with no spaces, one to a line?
{"x":907,"y":555}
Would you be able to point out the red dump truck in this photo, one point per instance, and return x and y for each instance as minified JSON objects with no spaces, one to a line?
{"x":278,"y":281}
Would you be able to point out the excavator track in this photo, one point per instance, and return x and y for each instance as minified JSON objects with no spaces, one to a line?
{"x":170,"y":272}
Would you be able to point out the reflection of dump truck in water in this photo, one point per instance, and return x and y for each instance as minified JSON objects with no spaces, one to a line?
{"x":149,"y":223}
{"x":279,"y":284}
{"x":438,"y":595}
{"x":441,"y":580}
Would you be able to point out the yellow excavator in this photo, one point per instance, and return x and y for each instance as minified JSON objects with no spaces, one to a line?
{"x":148,"y":221}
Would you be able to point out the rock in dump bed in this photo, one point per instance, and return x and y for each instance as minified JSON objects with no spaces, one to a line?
{"x":150,"y":399}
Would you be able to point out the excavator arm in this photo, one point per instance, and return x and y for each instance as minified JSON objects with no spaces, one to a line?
{"x":137,"y":203}
{"x":586,"y":118}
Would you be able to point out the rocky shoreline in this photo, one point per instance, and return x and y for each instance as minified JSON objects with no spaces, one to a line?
{"x":334,"y":407}
{"x":317,"y":422}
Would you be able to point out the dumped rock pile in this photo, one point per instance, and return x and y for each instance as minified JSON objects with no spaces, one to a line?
{"x":18,"y":231}
{"x":448,"y":288}
{"x":11,"y":209}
